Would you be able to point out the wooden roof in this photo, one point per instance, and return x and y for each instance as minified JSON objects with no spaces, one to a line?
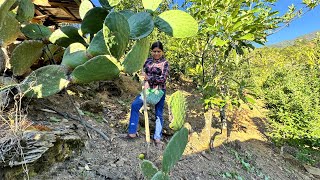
{"x":53,"y":12}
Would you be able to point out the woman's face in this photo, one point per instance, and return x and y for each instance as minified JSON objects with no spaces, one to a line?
{"x":156,"y":53}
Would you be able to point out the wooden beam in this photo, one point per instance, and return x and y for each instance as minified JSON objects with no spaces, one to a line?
{"x":68,"y":12}
{"x":66,"y":21}
{"x":58,"y":4}
{"x":78,"y":2}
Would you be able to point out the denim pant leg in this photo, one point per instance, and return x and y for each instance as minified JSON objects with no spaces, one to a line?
{"x":134,"y":115}
{"x":159,"y":117}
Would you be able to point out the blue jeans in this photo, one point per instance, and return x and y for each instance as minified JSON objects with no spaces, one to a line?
{"x":134,"y":116}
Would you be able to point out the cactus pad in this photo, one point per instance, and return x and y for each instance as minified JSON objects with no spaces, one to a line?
{"x":45,"y":81}
{"x":5,"y":6}
{"x":160,"y":176}
{"x":10,"y":29}
{"x":36,"y":31}
{"x":93,"y":20}
{"x":98,"y":68}
{"x":136,"y":56}
{"x":116,"y":33}
{"x":98,"y":45}
{"x":25,"y":11}
{"x":151,"y":4}
{"x":174,"y":149}
{"x":178,"y":106}
{"x":127,"y":13}
{"x":74,"y":55}
{"x":66,"y":36}
{"x":85,"y":6}
{"x":177,"y":23}
{"x":109,"y":3}
{"x":148,"y":169}
{"x":141,"y":25}
{"x":24,"y":55}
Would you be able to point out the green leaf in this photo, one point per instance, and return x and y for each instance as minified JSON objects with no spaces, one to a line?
{"x":174,"y":149}
{"x":141,"y":25}
{"x":148,"y":169}
{"x":85,"y":6}
{"x":116,"y":33}
{"x":248,"y":37}
{"x":25,"y":11}
{"x":93,"y":20}
{"x":24,"y":55}
{"x":250,"y":100}
{"x":66,"y":36}
{"x":10,"y":29}
{"x":219,"y":42}
{"x":151,"y":4}
{"x":160,"y":176}
{"x":45,"y":81}
{"x":136,"y":57}
{"x":99,"y":68}
{"x":177,"y":23}
{"x":36,"y":31}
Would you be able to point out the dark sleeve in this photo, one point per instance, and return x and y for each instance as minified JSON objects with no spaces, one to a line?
{"x":162,"y":79}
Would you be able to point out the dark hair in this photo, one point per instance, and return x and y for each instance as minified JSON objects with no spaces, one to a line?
{"x":157,"y":44}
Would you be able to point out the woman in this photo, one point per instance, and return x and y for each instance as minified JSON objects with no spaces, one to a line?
{"x":156,"y":70}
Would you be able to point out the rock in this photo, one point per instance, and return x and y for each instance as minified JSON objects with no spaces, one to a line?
{"x":312,"y":170}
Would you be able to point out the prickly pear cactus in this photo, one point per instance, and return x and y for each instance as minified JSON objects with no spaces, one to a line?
{"x":85,"y":6}
{"x":109,"y":3}
{"x":177,"y":23}
{"x":66,"y":36}
{"x":45,"y":81}
{"x":174,"y":149}
{"x":24,"y":55}
{"x":25,"y":11}
{"x":136,"y":57}
{"x":151,"y":4}
{"x":178,"y":106}
{"x":141,"y":25}
{"x":93,"y":20}
{"x":98,"y":45}
{"x":5,"y":6}
{"x":160,"y":176}
{"x":53,"y":52}
{"x":148,"y":169}
{"x":10,"y":29}
{"x":36,"y":31}
{"x":116,"y":33}
{"x":99,"y":68}
{"x":74,"y":55}
{"x":127,"y":13}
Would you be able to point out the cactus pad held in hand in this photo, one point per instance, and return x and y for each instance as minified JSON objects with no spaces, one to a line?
{"x":177,"y":23}
{"x":141,"y":25}
{"x":116,"y":33}
{"x":24,"y":55}
{"x":74,"y":55}
{"x":136,"y":57}
{"x":101,"y":67}
{"x":45,"y":81}
{"x":177,"y":104}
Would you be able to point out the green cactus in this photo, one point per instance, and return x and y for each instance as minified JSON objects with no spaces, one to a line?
{"x":25,"y":11}
{"x":98,"y":45}
{"x":74,"y":55}
{"x":177,"y":23}
{"x":36,"y":31}
{"x":45,"y":81}
{"x":10,"y":29}
{"x":136,"y":57}
{"x":127,"y":13}
{"x":151,"y":4}
{"x":177,"y":104}
{"x":85,"y":6}
{"x":160,"y":176}
{"x":141,"y":25}
{"x":93,"y":20}
{"x":171,"y":155}
{"x":66,"y":36}
{"x":148,"y":169}
{"x":24,"y":55}
{"x":52,"y":51}
{"x":99,"y":68}
{"x":109,"y":3}
{"x":116,"y":33}
{"x":5,"y":6}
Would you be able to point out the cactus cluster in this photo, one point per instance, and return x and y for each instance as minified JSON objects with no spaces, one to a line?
{"x":177,"y":106}
{"x":96,"y":51}
{"x":171,"y":155}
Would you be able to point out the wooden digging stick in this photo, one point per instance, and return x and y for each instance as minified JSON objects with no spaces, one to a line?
{"x":146,"y":119}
